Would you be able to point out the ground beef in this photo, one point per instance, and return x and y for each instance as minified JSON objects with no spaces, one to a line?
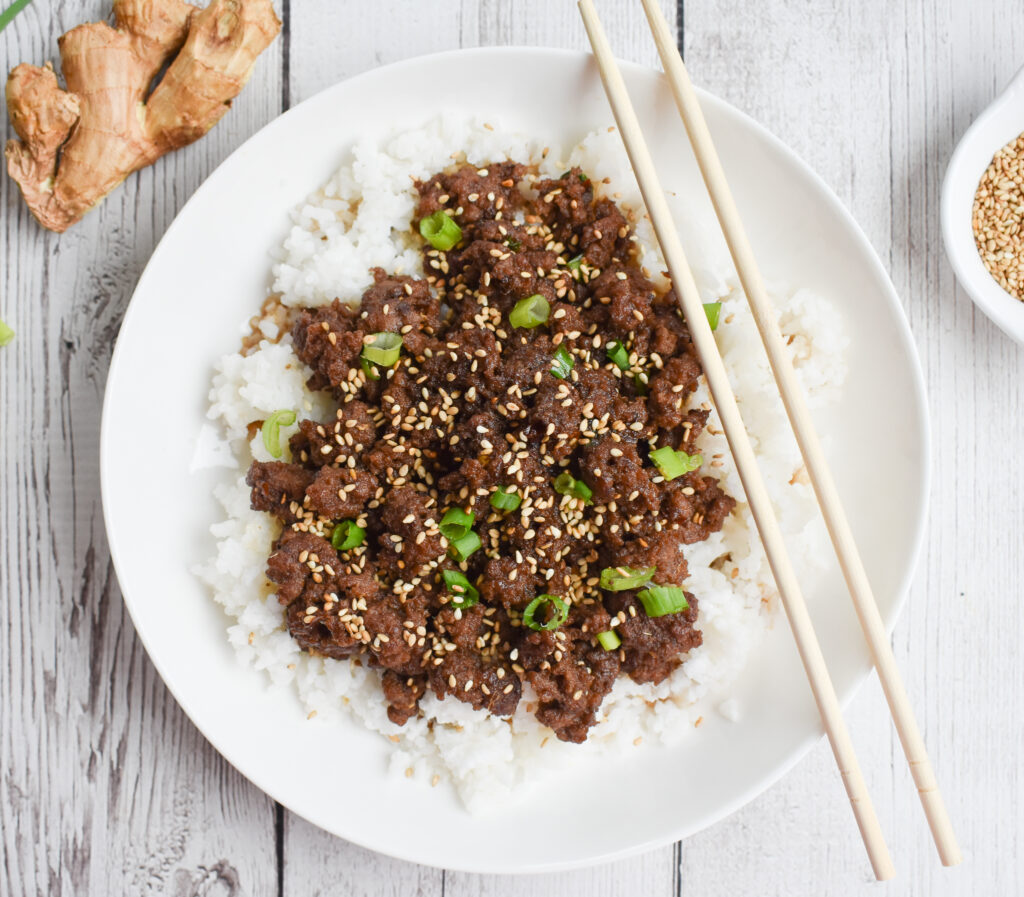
{"x":474,"y":405}
{"x":466,"y":675}
{"x":279,"y":488}
{"x":472,"y":193}
{"x":661,"y":550}
{"x":509,"y":583}
{"x":403,"y":695}
{"x":695,"y":506}
{"x":604,"y":236}
{"x":571,"y":690}
{"x":340,"y":492}
{"x":614,"y":470}
{"x":293,"y":566}
{"x":569,"y":672}
{"x":391,"y":622}
{"x":318,"y":630}
{"x":333,"y":442}
{"x":409,"y":520}
{"x":400,"y":305}
{"x":652,"y":647}
{"x":565,"y":205}
{"x":326,"y":340}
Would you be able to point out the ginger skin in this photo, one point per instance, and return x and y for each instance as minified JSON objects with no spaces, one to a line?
{"x":78,"y":144}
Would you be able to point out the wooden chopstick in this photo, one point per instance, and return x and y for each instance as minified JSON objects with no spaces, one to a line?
{"x":806,"y":436}
{"x":739,"y":443}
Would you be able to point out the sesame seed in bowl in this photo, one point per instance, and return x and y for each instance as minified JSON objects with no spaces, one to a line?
{"x":999,"y":215}
{"x":983,"y":207}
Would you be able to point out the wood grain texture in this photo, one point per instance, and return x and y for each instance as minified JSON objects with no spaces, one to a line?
{"x":875,"y":104}
{"x":108,"y":789}
{"x":315,"y":862}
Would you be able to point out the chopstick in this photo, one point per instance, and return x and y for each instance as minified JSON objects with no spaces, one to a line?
{"x":807,"y":438}
{"x":739,"y":443}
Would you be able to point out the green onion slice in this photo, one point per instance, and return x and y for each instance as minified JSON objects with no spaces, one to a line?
{"x":464,"y":591}
{"x":456,"y":523}
{"x":618,"y":355}
{"x":674,"y":464}
{"x":574,"y":263}
{"x":347,"y":535}
{"x":618,"y":579}
{"x":6,"y":17}
{"x":440,"y":231}
{"x":530,"y":312}
{"x":383,"y":349}
{"x":566,"y":484}
{"x":562,"y":363}
{"x":713,"y":310}
{"x":513,"y":244}
{"x":560,"y":613}
{"x":271,"y":430}
{"x":506,"y":499}
{"x":369,"y":369}
{"x":6,"y":334}
{"x":462,"y":547}
{"x":661,"y":600}
{"x":609,"y":640}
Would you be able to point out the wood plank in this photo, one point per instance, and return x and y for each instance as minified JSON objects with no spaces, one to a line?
{"x":317,"y":864}
{"x":314,"y":861}
{"x":968,"y":673}
{"x":875,"y":104}
{"x":107,"y":787}
{"x":648,"y":874}
{"x":330,"y":50}
{"x":791,"y":69}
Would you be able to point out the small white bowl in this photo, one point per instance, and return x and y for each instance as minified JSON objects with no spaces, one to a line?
{"x":1000,"y":123}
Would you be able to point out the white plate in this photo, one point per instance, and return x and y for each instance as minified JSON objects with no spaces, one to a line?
{"x":1000,"y":123}
{"x":209,"y":274}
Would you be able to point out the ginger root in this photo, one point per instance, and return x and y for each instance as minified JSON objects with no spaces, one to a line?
{"x":78,"y":144}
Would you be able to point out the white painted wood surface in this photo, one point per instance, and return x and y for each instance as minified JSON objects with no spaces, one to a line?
{"x":106,"y":787}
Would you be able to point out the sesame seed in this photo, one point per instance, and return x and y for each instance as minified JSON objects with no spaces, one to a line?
{"x":998,"y":218}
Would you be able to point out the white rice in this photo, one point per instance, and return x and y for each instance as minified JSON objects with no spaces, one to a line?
{"x":361,"y":219}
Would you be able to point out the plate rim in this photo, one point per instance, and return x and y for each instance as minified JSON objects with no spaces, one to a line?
{"x":922,"y":425}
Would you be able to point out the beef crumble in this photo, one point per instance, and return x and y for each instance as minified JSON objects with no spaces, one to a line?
{"x":473,"y":405}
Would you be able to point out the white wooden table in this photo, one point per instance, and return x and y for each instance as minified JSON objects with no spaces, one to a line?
{"x":107,"y":789}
